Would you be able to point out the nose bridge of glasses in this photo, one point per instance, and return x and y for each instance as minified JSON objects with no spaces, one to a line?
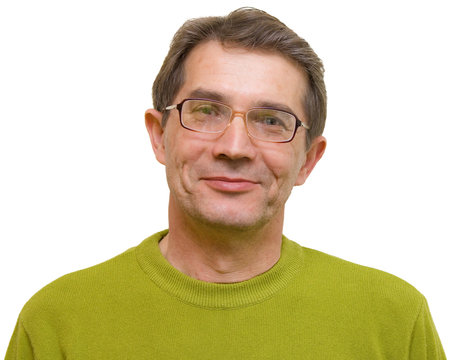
{"x":237,"y":114}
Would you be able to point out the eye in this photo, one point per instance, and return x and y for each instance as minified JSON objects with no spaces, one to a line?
{"x":269,"y":120}
{"x":206,"y":109}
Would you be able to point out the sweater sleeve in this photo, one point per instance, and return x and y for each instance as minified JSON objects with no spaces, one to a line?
{"x":20,"y":344}
{"x":425,"y":343}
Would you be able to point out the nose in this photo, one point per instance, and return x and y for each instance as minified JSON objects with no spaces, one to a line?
{"x":234,"y":143}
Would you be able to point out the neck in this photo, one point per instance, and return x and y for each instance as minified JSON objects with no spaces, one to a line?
{"x":218,"y":254}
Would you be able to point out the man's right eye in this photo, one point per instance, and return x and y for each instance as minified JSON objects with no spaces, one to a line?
{"x":205,"y":109}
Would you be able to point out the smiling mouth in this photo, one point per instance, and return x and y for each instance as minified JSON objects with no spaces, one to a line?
{"x":225,"y":184}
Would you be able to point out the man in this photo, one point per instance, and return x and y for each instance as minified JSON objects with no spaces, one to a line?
{"x":240,"y":107}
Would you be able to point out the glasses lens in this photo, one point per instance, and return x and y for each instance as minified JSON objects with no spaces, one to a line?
{"x":205,"y":116}
{"x":270,"y":124}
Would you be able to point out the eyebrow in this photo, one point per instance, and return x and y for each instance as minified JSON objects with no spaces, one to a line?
{"x":208,"y":94}
{"x":275,"y":105}
{"x":217,"y":96}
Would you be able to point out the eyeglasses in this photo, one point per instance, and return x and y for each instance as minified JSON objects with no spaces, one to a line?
{"x":263,"y":123}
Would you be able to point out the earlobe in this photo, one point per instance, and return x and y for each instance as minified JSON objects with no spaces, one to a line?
{"x":313,"y":156}
{"x":153,"y":123}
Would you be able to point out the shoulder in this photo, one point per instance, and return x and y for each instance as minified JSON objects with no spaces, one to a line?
{"x":361,"y":285}
{"x":113,"y":282}
{"x":77,"y":289}
{"x":355,"y":274}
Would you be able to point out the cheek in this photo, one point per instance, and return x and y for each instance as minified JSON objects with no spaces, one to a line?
{"x":183,"y":152}
{"x":174,"y":153}
{"x":284,"y":164}
{"x":176,"y":145}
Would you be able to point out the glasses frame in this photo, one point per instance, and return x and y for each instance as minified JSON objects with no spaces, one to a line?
{"x":179,"y":107}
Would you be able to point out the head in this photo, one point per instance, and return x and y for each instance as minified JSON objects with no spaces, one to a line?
{"x":251,"y":29}
{"x":231,"y":180}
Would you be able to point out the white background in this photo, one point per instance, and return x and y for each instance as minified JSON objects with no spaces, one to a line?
{"x":79,"y":183}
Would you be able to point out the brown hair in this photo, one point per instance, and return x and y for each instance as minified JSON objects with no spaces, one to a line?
{"x":248,"y":28}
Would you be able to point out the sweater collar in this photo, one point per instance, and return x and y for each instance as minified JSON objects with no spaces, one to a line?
{"x":214,"y":295}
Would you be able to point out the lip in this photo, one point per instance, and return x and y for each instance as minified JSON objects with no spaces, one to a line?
{"x":226,"y":184}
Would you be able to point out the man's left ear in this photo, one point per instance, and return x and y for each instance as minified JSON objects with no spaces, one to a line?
{"x":313,"y":156}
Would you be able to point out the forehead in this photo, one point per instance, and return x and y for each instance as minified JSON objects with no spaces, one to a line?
{"x":243,"y":78}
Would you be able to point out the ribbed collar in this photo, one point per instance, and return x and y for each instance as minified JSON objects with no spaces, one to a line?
{"x":213,"y":295}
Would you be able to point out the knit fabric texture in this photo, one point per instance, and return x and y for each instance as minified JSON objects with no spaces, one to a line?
{"x":309,"y":305}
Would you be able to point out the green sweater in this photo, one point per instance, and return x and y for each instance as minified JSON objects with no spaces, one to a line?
{"x":308,"y":306}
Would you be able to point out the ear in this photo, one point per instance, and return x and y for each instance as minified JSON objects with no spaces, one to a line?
{"x":153,"y":119}
{"x":313,"y":156}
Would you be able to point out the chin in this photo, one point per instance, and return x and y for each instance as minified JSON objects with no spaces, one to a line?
{"x":237,"y":215}
{"x":233,"y":221}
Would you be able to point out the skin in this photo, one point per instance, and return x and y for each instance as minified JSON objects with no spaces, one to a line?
{"x":228,"y":190}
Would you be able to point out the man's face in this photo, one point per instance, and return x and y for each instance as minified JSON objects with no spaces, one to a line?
{"x":230,"y":179}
